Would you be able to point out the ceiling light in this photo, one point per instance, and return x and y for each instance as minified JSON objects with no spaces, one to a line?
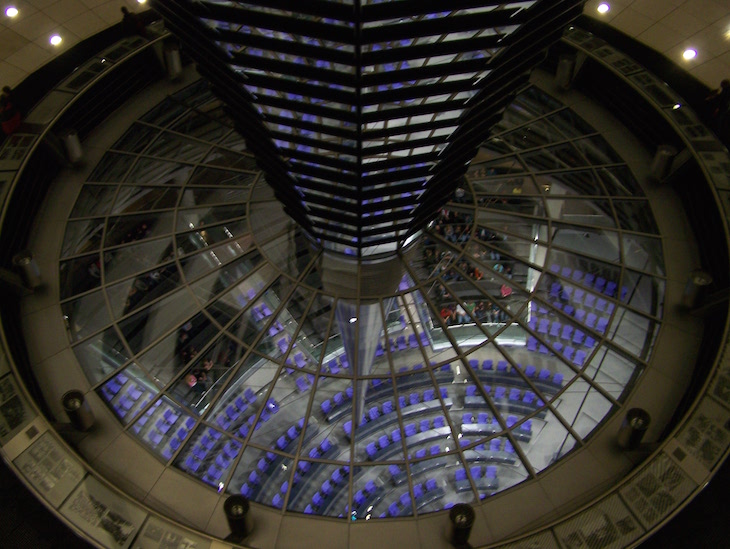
{"x":141,"y":1}
{"x":603,"y":8}
{"x":689,"y":54}
{"x":56,"y":39}
{"x":11,"y":11}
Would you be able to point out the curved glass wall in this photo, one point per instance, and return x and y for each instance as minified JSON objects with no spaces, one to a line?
{"x":197,"y":310}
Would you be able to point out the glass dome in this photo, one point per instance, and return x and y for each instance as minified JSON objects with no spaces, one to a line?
{"x":198,"y":311}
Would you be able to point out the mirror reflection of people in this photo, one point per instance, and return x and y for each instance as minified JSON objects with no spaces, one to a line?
{"x":132,"y":24}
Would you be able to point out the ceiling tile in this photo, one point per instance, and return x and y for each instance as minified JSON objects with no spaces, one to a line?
{"x":69,"y":39}
{"x":109,"y":12}
{"x":93,"y":3}
{"x":29,"y":57}
{"x":10,"y":42}
{"x":35,"y":25}
{"x":632,"y":22}
{"x":86,"y":24}
{"x":12,"y":75}
{"x":64,"y":10}
{"x":40,"y":4}
{"x":684,"y":21}
{"x":711,"y":72}
{"x":659,"y":37}
{"x":24,"y":10}
{"x":656,"y":9}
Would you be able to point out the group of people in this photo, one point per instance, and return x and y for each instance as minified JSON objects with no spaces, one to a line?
{"x":485,"y":312}
{"x":718,"y":103}
{"x":10,"y":115}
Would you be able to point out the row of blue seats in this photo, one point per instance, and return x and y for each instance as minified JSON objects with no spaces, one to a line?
{"x":577,"y":298}
{"x":266,"y":465}
{"x":565,"y":330}
{"x":503,"y":367}
{"x":401,"y":343}
{"x":589,"y":280}
{"x":500,"y":392}
{"x":387,"y":407}
{"x":422,"y":494}
{"x":483,"y":418}
{"x":576,"y":357}
{"x":435,"y":427}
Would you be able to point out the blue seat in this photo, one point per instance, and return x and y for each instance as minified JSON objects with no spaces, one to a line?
{"x":439,"y":422}
{"x":460,"y":474}
{"x":476,"y":471}
{"x":410,"y":429}
{"x":395,"y":435}
{"x":326,"y":487}
{"x":483,"y":417}
{"x":292,"y":433}
{"x":383,"y":441}
{"x":467,"y":418}
{"x":428,"y":395}
{"x":370,"y":487}
{"x":420,"y":453}
{"x":431,"y":485}
{"x":371,"y":450}
{"x":494,"y":445}
{"x":425,"y":425}
{"x":387,"y":407}
{"x":405,"y":499}
{"x":281,"y":442}
{"x":325,"y":445}
{"x":393,"y":510}
{"x":359,"y":498}
{"x":418,"y":491}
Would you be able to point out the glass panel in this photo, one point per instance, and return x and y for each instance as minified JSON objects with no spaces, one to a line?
{"x":138,"y":199}
{"x":168,"y":145}
{"x":112,"y":167}
{"x":136,"y":258}
{"x":94,"y":200}
{"x":152,"y":171}
{"x":137,"y":292}
{"x":261,"y":474}
{"x":82,"y":237}
{"x":132,"y":228}
{"x":643,"y":253}
{"x":101,"y":355}
{"x":128,"y":393}
{"x":635,"y":215}
{"x":85,"y":315}
{"x":136,"y":138}
{"x":164,"y":427}
{"x":580,"y":182}
{"x":79,"y":275}
{"x":147,"y":325}
{"x":212,"y":176}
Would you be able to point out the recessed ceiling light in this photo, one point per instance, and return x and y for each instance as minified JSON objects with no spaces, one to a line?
{"x":141,"y":1}
{"x":603,"y":8}
{"x":11,"y":11}
{"x":689,"y":54}
{"x":56,"y":39}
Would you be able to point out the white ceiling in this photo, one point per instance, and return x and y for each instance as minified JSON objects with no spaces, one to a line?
{"x":668,"y":26}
